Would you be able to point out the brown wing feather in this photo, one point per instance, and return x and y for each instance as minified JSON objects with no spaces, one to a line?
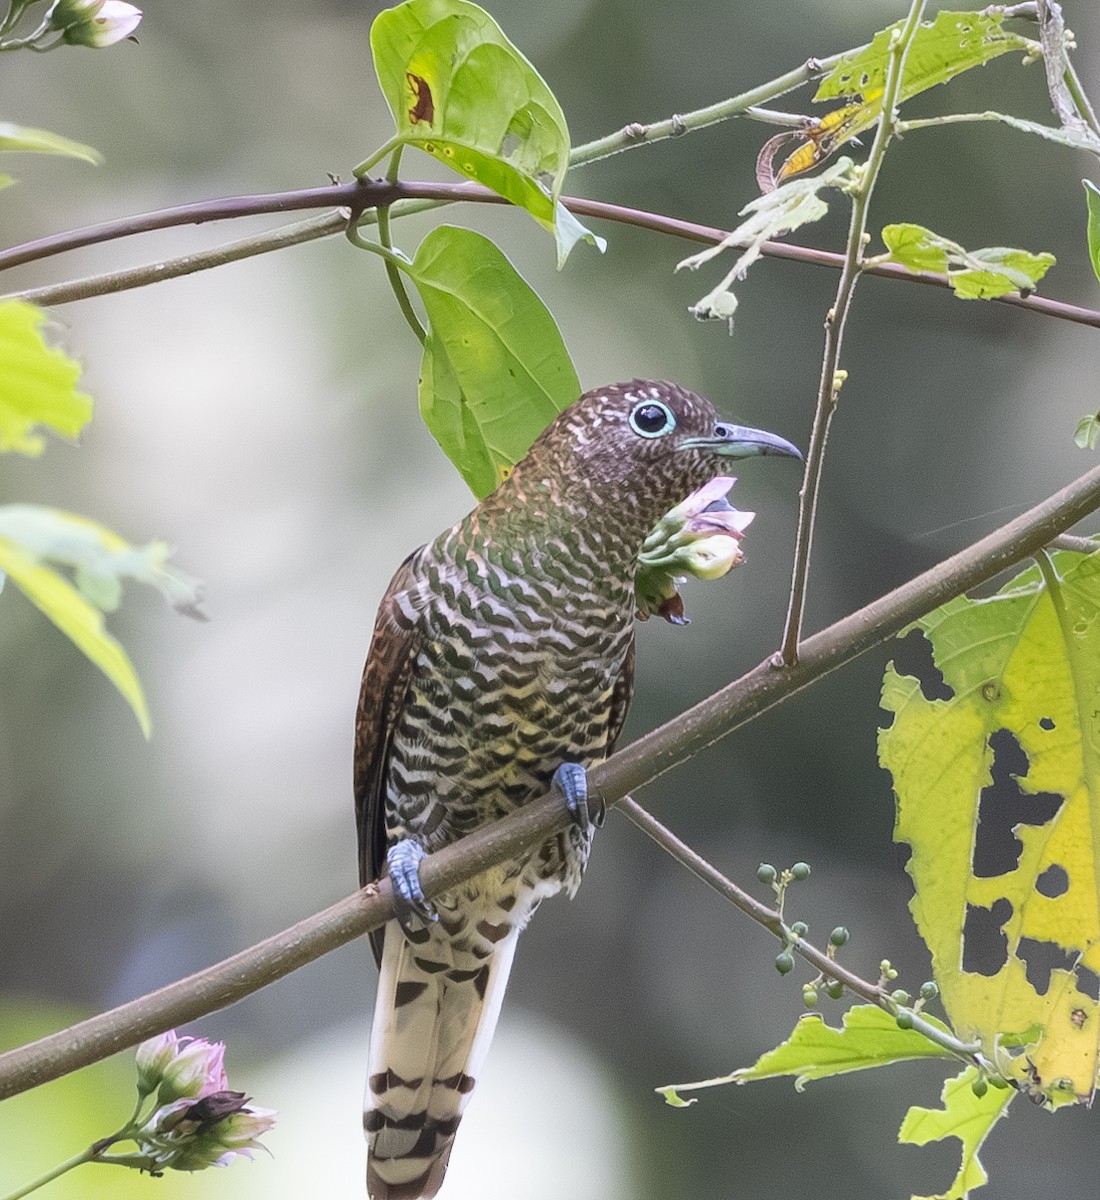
{"x":390,"y":663}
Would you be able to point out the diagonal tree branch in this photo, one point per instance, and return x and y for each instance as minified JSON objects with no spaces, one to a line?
{"x":428,"y":195}
{"x":762,"y":688}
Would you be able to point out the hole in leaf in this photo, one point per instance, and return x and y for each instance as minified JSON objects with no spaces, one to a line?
{"x":1046,"y":723}
{"x":1043,"y":957}
{"x":913,"y":656}
{"x":1004,"y":805}
{"x":1053,"y":882}
{"x":985,"y":946}
{"x":1088,"y":983}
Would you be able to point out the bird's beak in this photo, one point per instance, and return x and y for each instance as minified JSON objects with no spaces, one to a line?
{"x":739,"y":441}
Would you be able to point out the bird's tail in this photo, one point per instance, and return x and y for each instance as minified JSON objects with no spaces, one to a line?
{"x":434,"y":1017}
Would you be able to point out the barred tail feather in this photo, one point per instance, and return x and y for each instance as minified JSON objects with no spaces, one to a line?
{"x":434,"y":1018}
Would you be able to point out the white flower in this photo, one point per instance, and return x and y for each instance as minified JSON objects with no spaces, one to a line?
{"x":95,"y":23}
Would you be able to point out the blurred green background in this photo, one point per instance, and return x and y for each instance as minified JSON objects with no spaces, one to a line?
{"x":262,"y":418}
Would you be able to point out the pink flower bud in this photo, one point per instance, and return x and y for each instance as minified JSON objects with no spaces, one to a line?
{"x":196,"y":1070}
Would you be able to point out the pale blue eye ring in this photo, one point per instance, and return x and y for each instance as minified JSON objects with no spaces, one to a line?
{"x":652,"y":419}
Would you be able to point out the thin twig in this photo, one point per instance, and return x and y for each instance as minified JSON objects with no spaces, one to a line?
{"x":761,"y":689}
{"x":638,"y":134}
{"x":831,"y":377}
{"x":772,"y":920}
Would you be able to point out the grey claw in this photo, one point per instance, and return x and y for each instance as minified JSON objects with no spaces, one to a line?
{"x":413,"y":908}
{"x":571,"y":780}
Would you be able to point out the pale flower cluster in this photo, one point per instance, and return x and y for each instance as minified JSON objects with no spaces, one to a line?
{"x":198,"y":1122}
{"x":701,"y":536}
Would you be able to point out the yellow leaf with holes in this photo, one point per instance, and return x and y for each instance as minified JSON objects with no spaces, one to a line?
{"x":997,"y":776}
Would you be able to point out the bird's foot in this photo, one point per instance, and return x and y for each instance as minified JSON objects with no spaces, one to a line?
{"x":571,"y":781}
{"x":413,"y":909}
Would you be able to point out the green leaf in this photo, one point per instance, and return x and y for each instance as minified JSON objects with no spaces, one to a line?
{"x":31,"y":537}
{"x":1023,"y":670}
{"x":460,"y":91}
{"x":1092,"y":198}
{"x":672,"y":1099}
{"x":947,"y":46}
{"x":495,"y":371}
{"x":99,"y":557}
{"x":869,"y":1038}
{"x":83,"y":624}
{"x":37,"y":383}
{"x":973,"y":274}
{"x":1087,"y":433}
{"x":771,"y":215}
{"x":964,"y":1115}
{"x":41,"y":141}
{"x":940,"y":49}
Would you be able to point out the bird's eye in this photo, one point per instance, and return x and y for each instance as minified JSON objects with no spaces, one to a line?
{"x":652,"y":419}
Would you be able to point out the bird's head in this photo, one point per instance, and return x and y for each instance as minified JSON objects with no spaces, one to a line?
{"x":643,"y":445}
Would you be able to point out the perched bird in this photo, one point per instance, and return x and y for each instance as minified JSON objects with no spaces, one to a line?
{"x":502,"y":664}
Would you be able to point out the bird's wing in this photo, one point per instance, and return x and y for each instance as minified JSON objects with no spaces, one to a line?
{"x":620,"y":699}
{"x":398,"y":637}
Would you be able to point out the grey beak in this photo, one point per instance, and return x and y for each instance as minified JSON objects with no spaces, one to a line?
{"x":739,"y":441}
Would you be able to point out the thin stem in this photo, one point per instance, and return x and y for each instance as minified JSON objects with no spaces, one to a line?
{"x":740,"y":702}
{"x":637,"y":134}
{"x":1079,"y":545}
{"x":772,"y":920}
{"x":831,"y":377}
{"x":393,"y":273}
{"x":1080,"y":98}
{"x":391,"y":257}
{"x":89,"y":1155}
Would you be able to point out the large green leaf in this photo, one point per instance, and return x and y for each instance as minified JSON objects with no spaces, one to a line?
{"x":968,"y":1115}
{"x":460,"y":91}
{"x":1021,"y":671}
{"x":41,"y":141}
{"x":496,"y":371}
{"x":37,"y":383}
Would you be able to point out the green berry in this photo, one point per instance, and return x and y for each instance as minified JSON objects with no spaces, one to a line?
{"x":979,"y":1087}
{"x":900,"y":996}
{"x":839,"y":936}
{"x":784,"y":962}
{"x":809,"y":996}
{"x":999,"y":1081}
{"x":835,"y":990}
{"x":929,"y":991}
{"x":765,"y":873}
{"x":800,"y":871}
{"x":799,"y":928}
{"x":904,"y":1019}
